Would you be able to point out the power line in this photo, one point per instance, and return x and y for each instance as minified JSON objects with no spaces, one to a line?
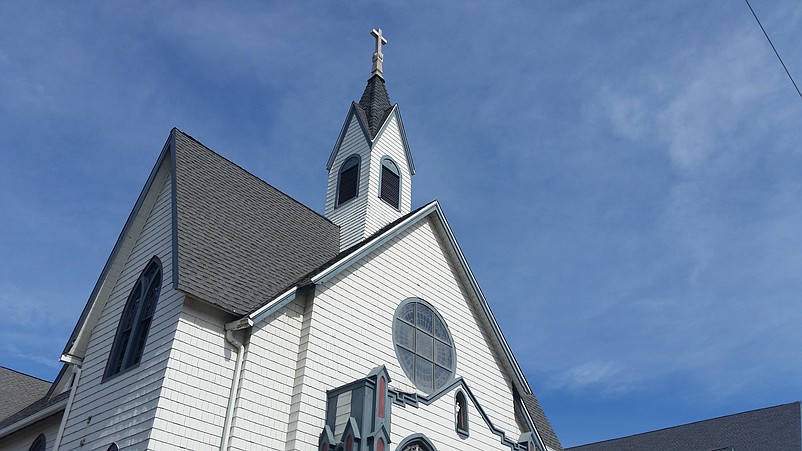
{"x":773,"y":48}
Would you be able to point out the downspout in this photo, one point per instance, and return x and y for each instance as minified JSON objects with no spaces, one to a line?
{"x":63,"y":424}
{"x":231,"y":327}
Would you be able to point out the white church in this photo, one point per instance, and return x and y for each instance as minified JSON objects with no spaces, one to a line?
{"x":229,"y":316}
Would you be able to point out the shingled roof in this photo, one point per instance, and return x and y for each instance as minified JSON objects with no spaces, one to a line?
{"x":374,"y":106}
{"x":772,"y":428}
{"x":240,"y":241}
{"x":541,"y":422}
{"x":18,"y":390}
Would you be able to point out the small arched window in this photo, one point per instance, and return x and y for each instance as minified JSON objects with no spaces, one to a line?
{"x":113,"y":447}
{"x":348,"y":180}
{"x":39,"y":444}
{"x":390,"y":183}
{"x":132,"y":332}
{"x":461,"y":414}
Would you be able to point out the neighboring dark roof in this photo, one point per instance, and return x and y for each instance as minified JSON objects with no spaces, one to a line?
{"x":18,"y":390}
{"x":240,"y":241}
{"x":375,"y":104}
{"x":34,"y":407}
{"x":773,"y":428}
{"x":541,"y":422}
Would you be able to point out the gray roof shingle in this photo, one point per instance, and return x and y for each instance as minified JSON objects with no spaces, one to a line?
{"x":541,"y":422}
{"x":374,"y":106}
{"x":776,"y":428}
{"x":240,"y":241}
{"x":18,"y":390}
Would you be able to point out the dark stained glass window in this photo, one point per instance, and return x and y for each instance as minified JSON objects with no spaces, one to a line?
{"x":423,"y":345}
{"x":132,"y":332}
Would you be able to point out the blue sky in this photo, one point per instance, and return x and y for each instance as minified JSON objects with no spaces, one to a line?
{"x":623,"y":176}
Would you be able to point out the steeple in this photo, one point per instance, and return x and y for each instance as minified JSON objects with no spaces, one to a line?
{"x":370,"y":167}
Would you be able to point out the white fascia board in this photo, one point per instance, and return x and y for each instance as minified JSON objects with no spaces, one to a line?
{"x":40,"y":415}
{"x":344,"y":130}
{"x":272,"y":306}
{"x":483,"y":302}
{"x":335,"y":269}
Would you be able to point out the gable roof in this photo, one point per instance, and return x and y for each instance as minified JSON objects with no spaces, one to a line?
{"x":18,"y":390}
{"x":774,"y":428}
{"x":239,"y":240}
{"x":236,"y":239}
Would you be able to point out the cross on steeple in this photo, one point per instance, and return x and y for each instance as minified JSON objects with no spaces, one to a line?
{"x":378,"y":56}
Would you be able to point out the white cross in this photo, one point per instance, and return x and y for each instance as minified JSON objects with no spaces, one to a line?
{"x":378,"y":57}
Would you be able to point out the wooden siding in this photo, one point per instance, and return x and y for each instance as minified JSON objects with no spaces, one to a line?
{"x":122,"y":408}
{"x":350,"y":216}
{"x":367,"y":213}
{"x":263,"y":414}
{"x":23,"y":439}
{"x":349,"y":332}
{"x":379,"y":213}
{"x":192,"y":406}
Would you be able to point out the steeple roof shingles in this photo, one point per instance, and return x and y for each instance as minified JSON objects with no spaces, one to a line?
{"x":375,"y":104}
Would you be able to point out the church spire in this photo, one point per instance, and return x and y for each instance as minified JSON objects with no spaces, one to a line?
{"x":375,"y":102}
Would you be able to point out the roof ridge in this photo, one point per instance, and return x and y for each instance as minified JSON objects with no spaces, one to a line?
{"x":250,"y":173}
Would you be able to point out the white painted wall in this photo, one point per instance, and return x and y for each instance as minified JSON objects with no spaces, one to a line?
{"x":362,"y":216}
{"x":266,"y":386}
{"x":122,"y":408}
{"x":192,"y":405}
{"x":350,"y":216}
{"x":349,"y":331}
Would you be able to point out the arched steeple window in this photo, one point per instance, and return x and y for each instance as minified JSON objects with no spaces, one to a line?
{"x":132,"y":332}
{"x":390,"y":183}
{"x":348,"y":180}
{"x":39,"y":444}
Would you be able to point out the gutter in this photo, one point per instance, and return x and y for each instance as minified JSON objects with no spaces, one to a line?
{"x":40,"y":415}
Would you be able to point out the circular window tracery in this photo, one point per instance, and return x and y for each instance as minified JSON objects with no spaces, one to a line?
{"x":423,"y":345}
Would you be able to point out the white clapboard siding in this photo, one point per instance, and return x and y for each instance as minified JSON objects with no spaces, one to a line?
{"x":437,"y":420}
{"x":24,"y":438}
{"x":348,"y":332}
{"x":362,"y":216}
{"x":350,"y":216}
{"x":268,"y":375}
{"x":192,"y":407}
{"x":380,"y":213}
{"x":122,"y":408}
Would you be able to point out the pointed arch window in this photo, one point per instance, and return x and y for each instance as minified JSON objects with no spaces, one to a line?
{"x":348,"y":180}
{"x":132,"y":332}
{"x":461,"y":414}
{"x":390,"y":183}
{"x":39,"y":444}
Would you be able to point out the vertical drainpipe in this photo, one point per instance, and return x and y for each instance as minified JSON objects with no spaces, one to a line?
{"x":231,"y":327}
{"x":63,"y":424}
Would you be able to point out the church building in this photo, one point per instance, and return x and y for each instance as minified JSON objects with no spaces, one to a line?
{"x":229,"y":316}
